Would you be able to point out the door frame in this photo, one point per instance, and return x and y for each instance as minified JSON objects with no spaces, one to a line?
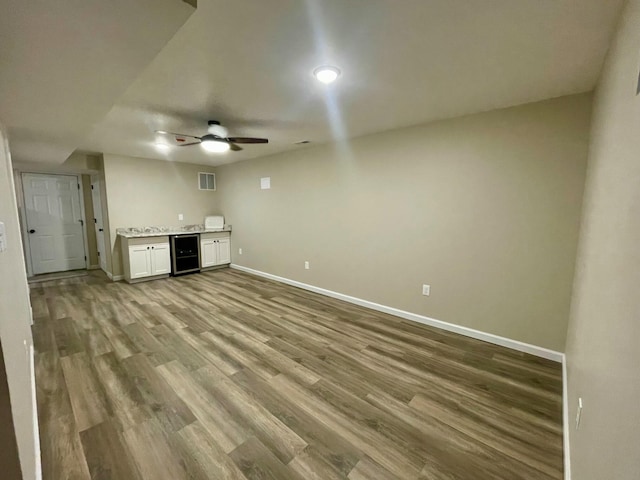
{"x":23,"y":217}
{"x":95,"y":178}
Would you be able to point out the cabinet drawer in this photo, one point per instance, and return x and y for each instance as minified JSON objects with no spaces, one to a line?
{"x":147,"y":240}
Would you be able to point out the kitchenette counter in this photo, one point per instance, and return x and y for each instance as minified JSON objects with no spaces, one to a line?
{"x":142,"y":232}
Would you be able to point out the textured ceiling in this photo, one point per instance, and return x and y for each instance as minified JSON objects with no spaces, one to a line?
{"x":249,"y":64}
{"x":64,"y":64}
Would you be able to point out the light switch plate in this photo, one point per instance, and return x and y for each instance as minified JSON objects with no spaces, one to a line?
{"x":3,"y":238}
{"x":265,"y":183}
{"x":180,"y":216}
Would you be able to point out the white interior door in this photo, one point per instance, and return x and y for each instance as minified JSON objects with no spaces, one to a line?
{"x":99,"y":224}
{"x":54,"y":222}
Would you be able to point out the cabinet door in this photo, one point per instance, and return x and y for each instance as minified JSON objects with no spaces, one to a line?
{"x":224,"y":251}
{"x":140,"y":261}
{"x":208,"y":253}
{"x":160,"y":259}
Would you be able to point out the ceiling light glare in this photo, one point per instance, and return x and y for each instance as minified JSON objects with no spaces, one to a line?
{"x":326,"y":74}
{"x":215,"y":146}
{"x":164,"y":147}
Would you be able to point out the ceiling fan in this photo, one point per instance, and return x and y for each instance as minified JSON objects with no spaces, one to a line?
{"x":216,"y":141}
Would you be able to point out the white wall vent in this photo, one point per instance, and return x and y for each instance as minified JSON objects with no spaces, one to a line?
{"x":206,"y":181}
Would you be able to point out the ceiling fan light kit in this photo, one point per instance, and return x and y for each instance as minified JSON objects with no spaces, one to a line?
{"x":213,"y":144}
{"x":216,"y":129}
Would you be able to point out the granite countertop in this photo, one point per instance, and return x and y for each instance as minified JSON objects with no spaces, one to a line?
{"x":139,"y":232}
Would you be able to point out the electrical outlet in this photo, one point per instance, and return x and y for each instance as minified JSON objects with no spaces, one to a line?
{"x":306,"y":265}
{"x":180,"y":216}
{"x":239,"y":251}
{"x":579,"y":413}
{"x":426,"y":290}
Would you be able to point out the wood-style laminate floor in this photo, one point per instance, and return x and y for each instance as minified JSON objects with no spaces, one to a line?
{"x":224,"y":375}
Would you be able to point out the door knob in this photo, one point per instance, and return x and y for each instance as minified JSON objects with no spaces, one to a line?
{"x":32,"y":231}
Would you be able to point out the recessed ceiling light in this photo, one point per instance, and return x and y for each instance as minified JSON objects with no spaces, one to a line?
{"x":213,"y":145}
{"x":326,"y":74}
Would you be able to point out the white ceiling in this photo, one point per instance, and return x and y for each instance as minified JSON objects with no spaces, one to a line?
{"x":64,"y":64}
{"x":249,"y":64}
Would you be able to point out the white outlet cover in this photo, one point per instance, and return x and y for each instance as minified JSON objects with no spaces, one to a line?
{"x":426,"y":290}
{"x":306,"y":265}
{"x":180,"y":216}
{"x":239,"y":251}
{"x":265,"y":183}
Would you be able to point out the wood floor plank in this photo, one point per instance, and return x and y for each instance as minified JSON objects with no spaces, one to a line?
{"x":121,"y":394}
{"x":446,"y":446}
{"x":366,"y":439}
{"x":152,"y":454}
{"x":281,"y":440}
{"x":146,"y":343}
{"x":67,"y":337}
{"x":258,"y":463}
{"x":367,"y":469}
{"x":224,"y":375}
{"x":106,"y":453}
{"x":95,"y":343}
{"x":336,"y":452}
{"x":204,"y":458}
{"x":168,"y":407}
{"x":211,"y":414}
{"x":311,"y":465}
{"x":88,"y":398}
{"x":62,"y":453}
{"x":51,"y":391}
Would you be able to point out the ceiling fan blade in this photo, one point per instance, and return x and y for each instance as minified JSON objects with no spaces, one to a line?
{"x":187,"y":144}
{"x":247,"y":140}
{"x":234,"y":147}
{"x":163,"y":132}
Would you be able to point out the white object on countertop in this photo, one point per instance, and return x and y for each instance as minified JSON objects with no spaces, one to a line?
{"x":214,"y":222}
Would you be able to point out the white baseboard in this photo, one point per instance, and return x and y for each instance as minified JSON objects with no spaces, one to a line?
{"x":565,"y":420}
{"x":34,"y":403}
{"x":114,"y":278}
{"x":450,"y":327}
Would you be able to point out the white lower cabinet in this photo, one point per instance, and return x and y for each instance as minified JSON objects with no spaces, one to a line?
{"x":214,"y":251}
{"x":150,"y":257}
{"x":139,"y":261}
{"x":149,"y":260}
{"x":224,"y":251}
{"x":146,"y":257}
{"x":160,"y":259}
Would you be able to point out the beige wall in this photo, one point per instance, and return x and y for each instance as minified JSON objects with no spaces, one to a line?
{"x":603,"y":344}
{"x":15,"y":330}
{"x":9,"y":458}
{"x":143,"y":192}
{"x":76,"y":163}
{"x":484,"y":208}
